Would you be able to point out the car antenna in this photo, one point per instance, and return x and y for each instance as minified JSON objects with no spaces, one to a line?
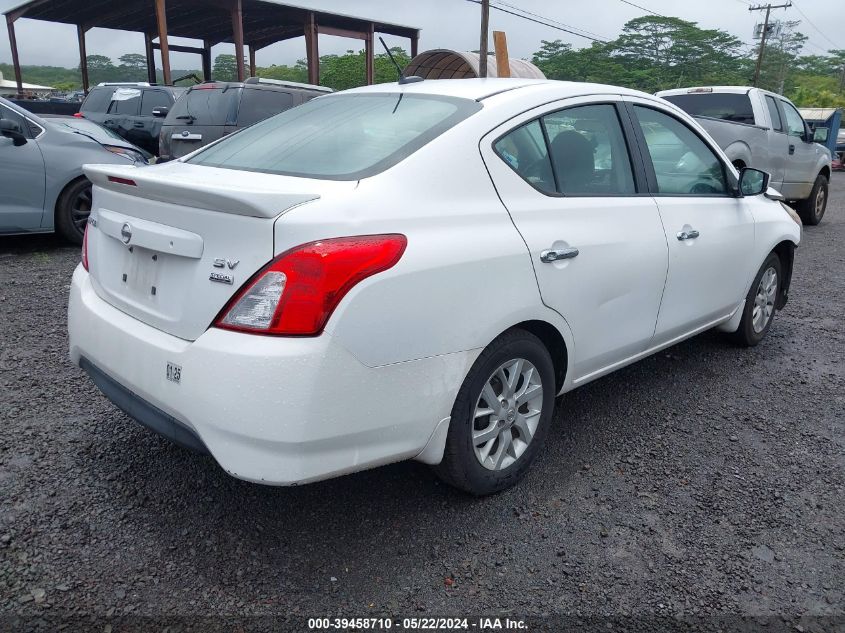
{"x":402,"y":79}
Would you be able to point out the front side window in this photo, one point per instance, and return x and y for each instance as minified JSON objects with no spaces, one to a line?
{"x":11,"y":115}
{"x":794,"y":122}
{"x":339,"y":137}
{"x":683,"y":163}
{"x":588,"y":151}
{"x":154,"y":99}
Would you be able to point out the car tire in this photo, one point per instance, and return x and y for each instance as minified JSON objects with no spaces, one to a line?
{"x":73,"y":209}
{"x":516,"y":362}
{"x":812,"y":209}
{"x":760,"y":303}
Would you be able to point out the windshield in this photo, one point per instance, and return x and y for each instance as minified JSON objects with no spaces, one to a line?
{"x":726,"y":106}
{"x":339,"y":137}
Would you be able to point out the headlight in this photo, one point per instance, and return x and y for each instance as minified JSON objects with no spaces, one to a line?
{"x":129,"y":154}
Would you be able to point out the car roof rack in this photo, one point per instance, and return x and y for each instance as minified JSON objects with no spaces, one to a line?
{"x":287,"y":84}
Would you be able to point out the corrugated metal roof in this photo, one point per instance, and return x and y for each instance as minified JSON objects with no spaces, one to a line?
{"x":817,"y":114}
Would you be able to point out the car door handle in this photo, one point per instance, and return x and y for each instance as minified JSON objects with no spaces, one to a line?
{"x":139,"y":124}
{"x":791,"y":150}
{"x":550,"y":256}
{"x":687,"y":235}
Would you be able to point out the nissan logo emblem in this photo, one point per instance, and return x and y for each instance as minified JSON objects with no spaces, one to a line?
{"x":126,"y":233}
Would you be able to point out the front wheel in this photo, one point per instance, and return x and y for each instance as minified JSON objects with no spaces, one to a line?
{"x":73,"y":209}
{"x":812,"y":209}
{"x":501,"y":415}
{"x":760,"y":303}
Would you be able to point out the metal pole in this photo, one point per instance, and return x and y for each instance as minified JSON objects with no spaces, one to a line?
{"x":13,"y":43}
{"x":161,"y":23}
{"x":83,"y":57}
{"x":762,"y":45}
{"x":238,"y":37}
{"x":482,"y":50}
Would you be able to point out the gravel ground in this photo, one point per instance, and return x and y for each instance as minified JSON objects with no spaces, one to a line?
{"x":706,"y":481}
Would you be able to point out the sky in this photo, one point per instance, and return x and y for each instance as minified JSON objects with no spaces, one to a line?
{"x":449,"y":24}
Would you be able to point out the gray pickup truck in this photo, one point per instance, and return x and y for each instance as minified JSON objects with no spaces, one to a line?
{"x":764,"y":130}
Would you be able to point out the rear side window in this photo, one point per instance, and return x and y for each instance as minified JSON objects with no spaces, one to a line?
{"x":339,"y":137}
{"x":154,"y":99}
{"x":205,"y":106}
{"x":98,"y":100}
{"x":774,"y":114}
{"x":524,"y":150}
{"x":125,"y":101}
{"x":257,"y":105}
{"x":716,"y":105}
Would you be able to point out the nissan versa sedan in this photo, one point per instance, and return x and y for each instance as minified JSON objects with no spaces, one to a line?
{"x":416,"y":271}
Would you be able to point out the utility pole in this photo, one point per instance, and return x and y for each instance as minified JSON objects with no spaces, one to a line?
{"x":768,"y":8}
{"x":482,"y":50}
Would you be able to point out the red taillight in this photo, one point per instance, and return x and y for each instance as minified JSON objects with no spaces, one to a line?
{"x":78,"y":115}
{"x":296,"y":293}
{"x":85,"y":248}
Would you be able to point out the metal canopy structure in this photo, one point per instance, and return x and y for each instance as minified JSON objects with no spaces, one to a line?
{"x":248,"y":24}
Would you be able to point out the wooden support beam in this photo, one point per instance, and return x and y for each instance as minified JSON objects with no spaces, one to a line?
{"x":312,"y":50}
{"x":415,"y":40}
{"x":330,"y":30}
{"x":238,"y":37}
{"x":206,"y":60}
{"x":369,"y":53}
{"x":503,"y":62}
{"x":151,"y":58}
{"x":178,"y":48}
{"x":16,"y":62}
{"x":252,"y":61}
{"x":83,"y":57}
{"x":161,"y":23}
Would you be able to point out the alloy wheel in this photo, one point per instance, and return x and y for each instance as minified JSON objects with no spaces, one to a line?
{"x":507,"y":414}
{"x":764,"y":300}
{"x":80,"y":209}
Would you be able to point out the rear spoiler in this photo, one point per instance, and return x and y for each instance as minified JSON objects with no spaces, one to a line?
{"x":162,"y":186}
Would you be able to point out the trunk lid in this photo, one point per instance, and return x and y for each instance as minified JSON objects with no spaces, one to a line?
{"x":172,"y":248}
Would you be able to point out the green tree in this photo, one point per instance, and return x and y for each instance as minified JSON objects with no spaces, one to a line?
{"x":225,"y":68}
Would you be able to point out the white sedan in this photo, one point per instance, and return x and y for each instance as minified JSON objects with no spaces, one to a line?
{"x":415,"y":272}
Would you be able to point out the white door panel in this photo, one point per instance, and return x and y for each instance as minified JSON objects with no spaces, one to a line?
{"x":610,"y":292}
{"x":708,"y":273}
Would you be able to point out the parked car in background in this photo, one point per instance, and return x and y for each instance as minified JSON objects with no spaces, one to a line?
{"x":415,"y":272}
{"x":128,"y":110}
{"x":210,"y":111}
{"x":42,"y":186}
{"x":764,"y":130}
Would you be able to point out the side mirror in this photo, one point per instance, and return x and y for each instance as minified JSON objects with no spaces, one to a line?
{"x":753,"y":182}
{"x":821,"y":134}
{"x":12,"y":130}
{"x":161,"y":112}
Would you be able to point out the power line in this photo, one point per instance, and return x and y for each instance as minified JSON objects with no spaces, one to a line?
{"x":818,"y":30}
{"x":643,"y":8}
{"x":551,"y":26}
{"x":548,"y":19}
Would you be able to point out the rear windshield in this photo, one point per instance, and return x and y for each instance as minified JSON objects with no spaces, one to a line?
{"x":725,"y":106}
{"x":339,"y":137}
{"x":205,"y":106}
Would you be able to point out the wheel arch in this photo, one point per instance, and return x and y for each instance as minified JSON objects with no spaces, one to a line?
{"x":825,"y":171}
{"x":785,"y":250}
{"x":554,"y":341}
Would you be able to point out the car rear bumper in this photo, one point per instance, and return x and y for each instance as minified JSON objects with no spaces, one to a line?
{"x":271,"y":410}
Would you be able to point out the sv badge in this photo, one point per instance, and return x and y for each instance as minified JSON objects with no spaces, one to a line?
{"x":221,"y":262}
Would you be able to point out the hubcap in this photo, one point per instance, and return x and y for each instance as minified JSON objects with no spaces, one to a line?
{"x":820,"y":198}
{"x":507,"y":414}
{"x":764,"y":301}
{"x":80,"y":209}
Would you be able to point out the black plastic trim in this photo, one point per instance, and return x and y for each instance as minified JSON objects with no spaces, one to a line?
{"x":143,"y":412}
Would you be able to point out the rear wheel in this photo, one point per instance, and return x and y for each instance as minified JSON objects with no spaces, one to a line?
{"x":73,"y":209}
{"x":812,"y":209}
{"x":760,"y":303}
{"x":501,"y":415}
